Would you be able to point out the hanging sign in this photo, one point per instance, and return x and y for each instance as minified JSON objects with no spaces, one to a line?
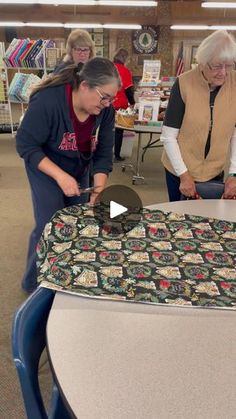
{"x":145,"y":40}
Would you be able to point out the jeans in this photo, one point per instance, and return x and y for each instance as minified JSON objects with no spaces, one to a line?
{"x":47,"y":198}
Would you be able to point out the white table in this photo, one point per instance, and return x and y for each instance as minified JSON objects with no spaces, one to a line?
{"x":117,"y":360}
{"x":140,"y":130}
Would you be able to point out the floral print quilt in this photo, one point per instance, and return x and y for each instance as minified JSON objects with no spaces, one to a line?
{"x":166,"y":258}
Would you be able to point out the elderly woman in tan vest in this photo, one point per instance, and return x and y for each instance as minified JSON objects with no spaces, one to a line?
{"x":199,"y":127}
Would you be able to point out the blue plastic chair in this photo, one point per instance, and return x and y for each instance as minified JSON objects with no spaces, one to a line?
{"x":208,"y":190}
{"x":28,"y":343}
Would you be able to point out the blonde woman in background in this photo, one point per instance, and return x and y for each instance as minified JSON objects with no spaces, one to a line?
{"x":79,"y":49}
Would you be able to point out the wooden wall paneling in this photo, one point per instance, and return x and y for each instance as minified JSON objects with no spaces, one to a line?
{"x":165,"y":53}
{"x":182,"y":11}
{"x":167,"y":13}
{"x":190,"y":39}
{"x":191,"y":12}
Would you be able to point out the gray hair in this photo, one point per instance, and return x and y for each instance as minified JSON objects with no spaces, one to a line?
{"x":78,"y":38}
{"x":96,"y":72}
{"x":220,"y":45}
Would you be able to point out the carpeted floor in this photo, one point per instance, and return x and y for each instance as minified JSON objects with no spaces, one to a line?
{"x":16,"y":223}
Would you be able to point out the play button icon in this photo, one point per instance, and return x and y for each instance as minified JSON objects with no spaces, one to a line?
{"x":116,"y":209}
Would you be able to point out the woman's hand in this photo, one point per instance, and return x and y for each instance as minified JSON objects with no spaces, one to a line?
{"x":100,"y":180}
{"x":68,"y":185}
{"x":94,"y":197}
{"x":187,"y":186}
{"x":230,"y":188}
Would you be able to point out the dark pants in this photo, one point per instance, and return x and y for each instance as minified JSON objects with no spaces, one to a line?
{"x":47,"y":198}
{"x":173,"y":184}
{"x":118,"y":141}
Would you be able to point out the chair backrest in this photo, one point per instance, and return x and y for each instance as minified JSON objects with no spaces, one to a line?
{"x":28,"y":342}
{"x":210,"y":189}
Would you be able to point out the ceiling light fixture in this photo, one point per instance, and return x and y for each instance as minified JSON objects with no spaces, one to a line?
{"x":45,"y":24}
{"x":136,"y":3}
{"x":73,"y":25}
{"x":203,"y":27}
{"x":121,"y":26}
{"x":223,"y":27}
{"x":219,"y":5}
{"x":52,"y":2}
{"x":66,"y":2}
{"x":190,"y":27}
{"x":12,"y":24}
{"x":82,"y":25}
{"x":16,"y":2}
{"x":123,"y":3}
{"x":105,"y":26}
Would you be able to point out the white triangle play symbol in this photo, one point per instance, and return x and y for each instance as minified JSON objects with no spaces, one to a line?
{"x":116,"y":209}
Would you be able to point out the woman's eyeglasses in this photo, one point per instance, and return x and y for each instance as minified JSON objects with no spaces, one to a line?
{"x":104,"y":99}
{"x":220,"y":67}
{"x":80,"y":49}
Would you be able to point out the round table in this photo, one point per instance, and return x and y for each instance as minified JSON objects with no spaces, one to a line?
{"x":119,"y":360}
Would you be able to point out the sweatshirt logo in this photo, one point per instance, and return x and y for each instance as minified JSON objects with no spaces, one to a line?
{"x":94,"y":142}
{"x":68,"y":142}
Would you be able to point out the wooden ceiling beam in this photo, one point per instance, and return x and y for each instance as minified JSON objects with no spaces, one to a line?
{"x":76,"y":14}
{"x":179,"y":11}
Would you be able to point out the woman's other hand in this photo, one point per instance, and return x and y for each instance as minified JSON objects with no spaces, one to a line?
{"x":187,"y":185}
{"x":100,"y":180}
{"x":68,"y":185}
{"x":230,"y":188}
{"x":94,"y":197}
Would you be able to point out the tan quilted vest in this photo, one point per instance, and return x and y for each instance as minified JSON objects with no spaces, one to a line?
{"x":196,"y":122}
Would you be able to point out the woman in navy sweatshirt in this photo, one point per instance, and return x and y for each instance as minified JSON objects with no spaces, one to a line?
{"x":67,"y":133}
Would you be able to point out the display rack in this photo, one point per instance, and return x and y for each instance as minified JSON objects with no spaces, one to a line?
{"x":6,"y":123}
{"x":25,"y":57}
{"x":159,"y":93}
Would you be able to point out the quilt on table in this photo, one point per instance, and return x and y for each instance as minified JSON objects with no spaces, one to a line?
{"x":167,"y":258}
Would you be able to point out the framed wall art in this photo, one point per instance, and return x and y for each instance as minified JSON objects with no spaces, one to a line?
{"x":99,"y":51}
{"x":193,"y":54}
{"x":98,"y":39}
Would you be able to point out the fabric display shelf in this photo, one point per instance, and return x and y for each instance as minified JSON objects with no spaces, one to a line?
{"x":167,"y":258}
{"x":24,"y":57}
{"x":6,"y":123}
{"x":3,"y":95}
{"x":7,"y":128}
{"x":27,"y":53}
{"x":21,"y":87}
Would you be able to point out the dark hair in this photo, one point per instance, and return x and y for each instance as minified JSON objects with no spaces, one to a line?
{"x":121,"y":56}
{"x":96,"y":72}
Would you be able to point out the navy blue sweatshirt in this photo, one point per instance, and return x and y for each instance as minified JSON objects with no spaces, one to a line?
{"x":47,"y":131}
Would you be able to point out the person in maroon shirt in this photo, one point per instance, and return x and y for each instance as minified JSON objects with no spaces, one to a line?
{"x":124,"y":97}
{"x":66,"y":134}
